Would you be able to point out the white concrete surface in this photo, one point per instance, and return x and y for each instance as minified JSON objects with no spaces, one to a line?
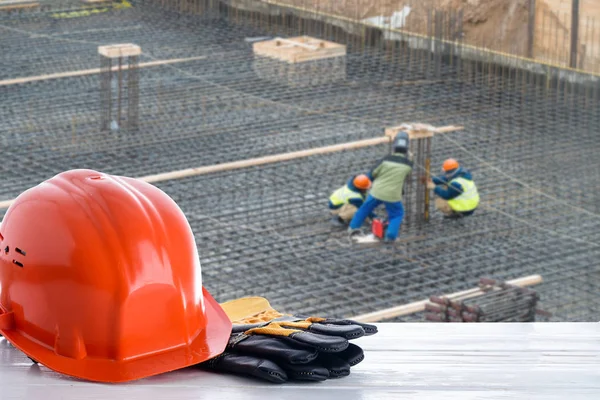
{"x":549,"y":361}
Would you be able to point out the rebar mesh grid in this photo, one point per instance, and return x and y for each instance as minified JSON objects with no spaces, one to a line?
{"x":276,"y":239}
{"x":529,"y":140}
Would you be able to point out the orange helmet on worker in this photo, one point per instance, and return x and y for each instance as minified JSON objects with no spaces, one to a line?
{"x":345,"y":200}
{"x":362,"y":182}
{"x":450,"y":165}
{"x":100,"y":279}
{"x":456,"y":192}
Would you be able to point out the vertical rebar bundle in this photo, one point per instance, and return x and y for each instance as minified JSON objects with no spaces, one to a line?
{"x":133,"y":93}
{"x":416,"y":195}
{"x":416,"y":189}
{"x":105,"y":92}
{"x":127,"y":87}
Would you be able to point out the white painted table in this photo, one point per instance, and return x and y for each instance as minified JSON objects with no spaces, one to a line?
{"x":549,"y":361}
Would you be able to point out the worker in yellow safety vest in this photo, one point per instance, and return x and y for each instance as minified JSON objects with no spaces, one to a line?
{"x":456,"y":193}
{"x":344,"y":202}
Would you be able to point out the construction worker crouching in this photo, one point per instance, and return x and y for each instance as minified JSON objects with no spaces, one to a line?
{"x":388,"y":178}
{"x":344,"y":202}
{"x":457,"y":194}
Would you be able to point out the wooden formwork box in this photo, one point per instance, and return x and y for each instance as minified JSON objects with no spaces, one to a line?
{"x":300,"y":61}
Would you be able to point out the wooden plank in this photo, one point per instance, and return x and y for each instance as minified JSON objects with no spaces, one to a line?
{"x":261,"y":160}
{"x":297,"y":43}
{"x":312,"y":56}
{"x":92,"y":71}
{"x":17,"y":2}
{"x":419,"y":131}
{"x":13,"y":6}
{"x":209,"y":169}
{"x":120,"y":50}
{"x":419,"y":306}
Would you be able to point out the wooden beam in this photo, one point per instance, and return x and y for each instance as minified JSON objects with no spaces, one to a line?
{"x":71,"y":74}
{"x":12,"y":6}
{"x":263,"y":160}
{"x":209,"y":169}
{"x":419,"y":306}
{"x":279,"y":40}
{"x":419,"y":131}
{"x":120,"y":50}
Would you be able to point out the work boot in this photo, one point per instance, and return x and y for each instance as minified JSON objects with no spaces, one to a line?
{"x":453,"y":216}
{"x":353,"y":232}
{"x":338,"y":222}
{"x":387,"y":240}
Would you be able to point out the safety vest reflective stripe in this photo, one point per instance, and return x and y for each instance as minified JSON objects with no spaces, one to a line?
{"x":468,"y":200}
{"x":342,"y":195}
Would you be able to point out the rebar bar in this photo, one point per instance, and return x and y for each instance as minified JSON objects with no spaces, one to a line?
{"x":500,"y":302}
{"x":133,"y":94}
{"x":105,"y":92}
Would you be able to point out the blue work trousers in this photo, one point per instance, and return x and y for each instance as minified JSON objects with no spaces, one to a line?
{"x":394,"y":210}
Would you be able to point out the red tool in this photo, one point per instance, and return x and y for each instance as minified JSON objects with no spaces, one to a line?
{"x":378,"y":227}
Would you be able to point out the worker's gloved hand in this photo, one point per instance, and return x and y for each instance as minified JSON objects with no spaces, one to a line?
{"x":272,"y":346}
{"x":430,"y":185}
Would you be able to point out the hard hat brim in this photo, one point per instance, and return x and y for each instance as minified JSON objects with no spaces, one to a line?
{"x":208,"y":344}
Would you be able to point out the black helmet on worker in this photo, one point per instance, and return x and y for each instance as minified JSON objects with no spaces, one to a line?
{"x":401,"y":142}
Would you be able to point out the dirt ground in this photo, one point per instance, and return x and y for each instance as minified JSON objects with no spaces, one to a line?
{"x":500,"y":25}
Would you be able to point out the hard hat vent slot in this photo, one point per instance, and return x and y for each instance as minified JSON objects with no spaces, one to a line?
{"x":18,"y":250}
{"x":18,"y":263}
{"x":1,"y":237}
{"x":6,"y":250}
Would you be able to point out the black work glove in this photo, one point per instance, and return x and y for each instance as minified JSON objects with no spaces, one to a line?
{"x":275,"y":347}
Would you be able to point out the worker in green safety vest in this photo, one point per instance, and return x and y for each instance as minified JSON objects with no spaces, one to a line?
{"x":457,"y":194}
{"x":344,"y":202}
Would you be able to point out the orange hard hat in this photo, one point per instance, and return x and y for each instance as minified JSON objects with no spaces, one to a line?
{"x":449,"y":165}
{"x":362,"y":182}
{"x":100,"y":279}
